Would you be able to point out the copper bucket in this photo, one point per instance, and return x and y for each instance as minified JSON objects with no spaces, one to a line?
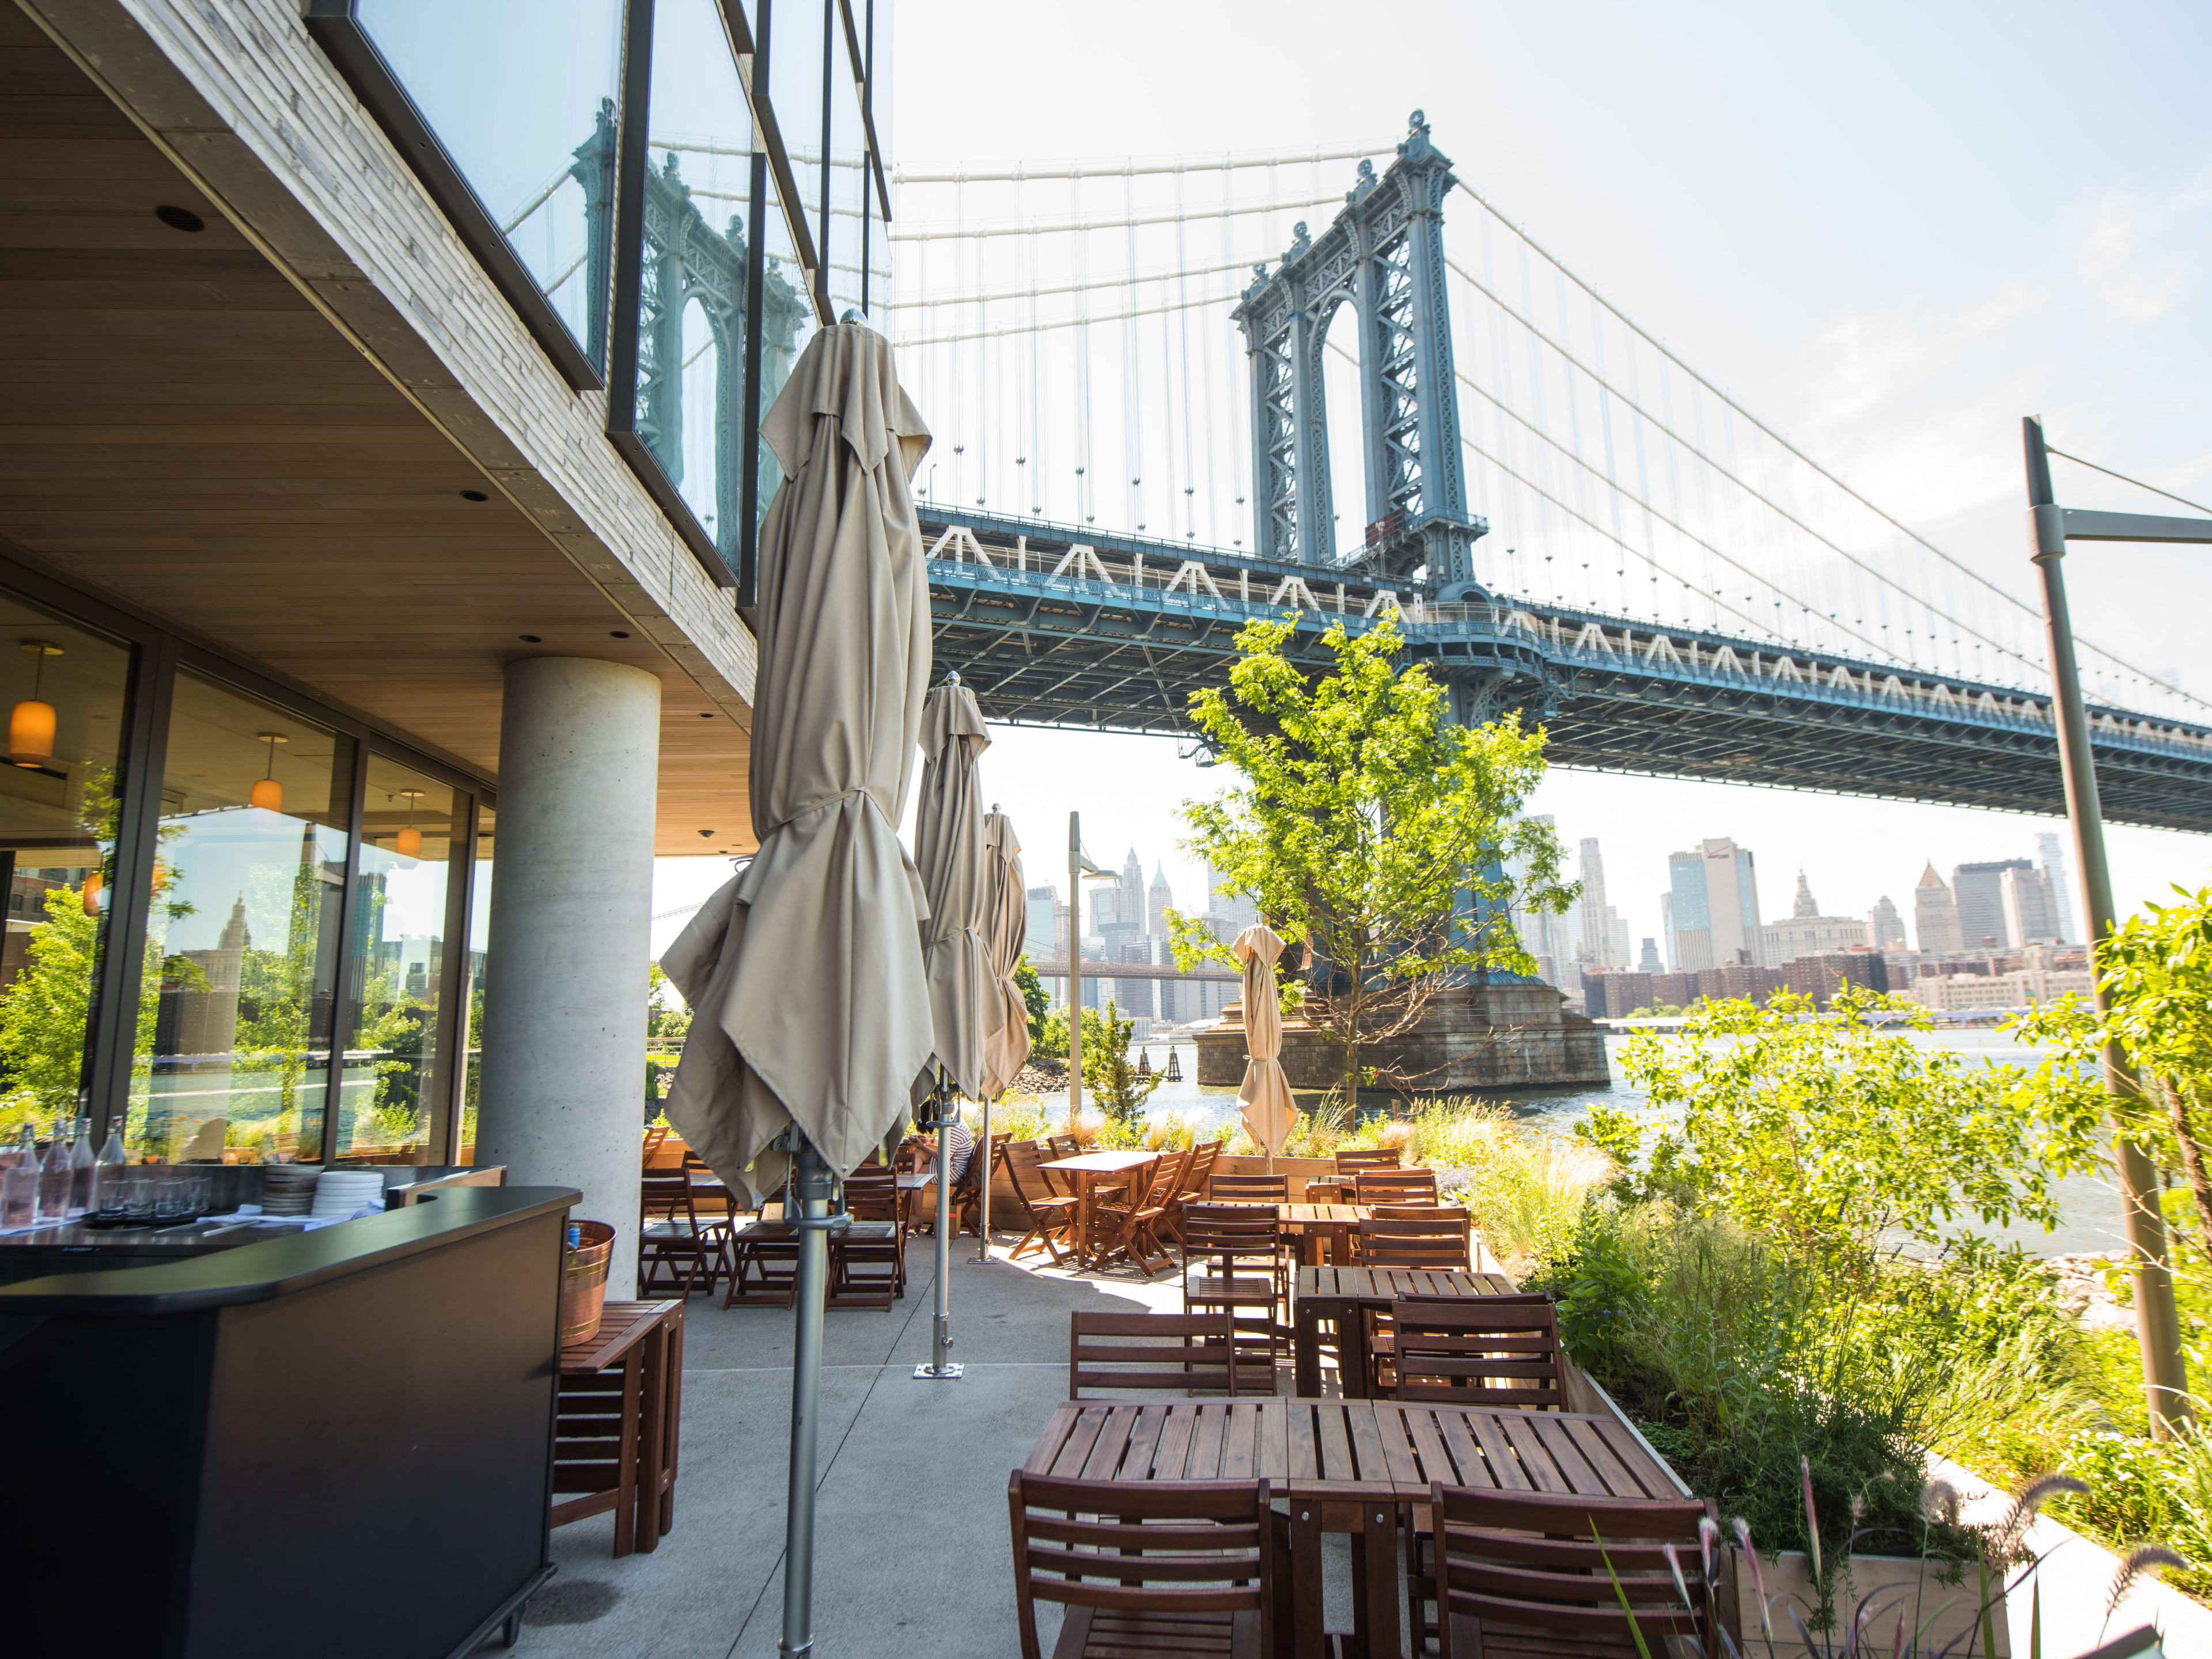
{"x":584,"y":1281}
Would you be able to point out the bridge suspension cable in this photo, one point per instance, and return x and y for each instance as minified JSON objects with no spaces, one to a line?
{"x":1019,"y":173}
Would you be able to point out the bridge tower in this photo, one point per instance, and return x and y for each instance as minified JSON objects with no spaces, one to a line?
{"x":1384,"y":256}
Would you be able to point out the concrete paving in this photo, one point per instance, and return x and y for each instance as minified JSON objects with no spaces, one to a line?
{"x":912,"y":1555}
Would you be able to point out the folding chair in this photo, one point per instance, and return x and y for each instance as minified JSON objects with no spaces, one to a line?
{"x":1189,"y":1352}
{"x":1238,"y":1254}
{"x":1052,"y":1215}
{"x":672,"y":1240}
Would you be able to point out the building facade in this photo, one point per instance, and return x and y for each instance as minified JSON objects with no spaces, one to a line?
{"x":382,"y":498}
{"x":1978,"y":891}
{"x":2058,"y":869}
{"x":1885,"y":928}
{"x":1715,"y":893}
{"x":1935,"y":915}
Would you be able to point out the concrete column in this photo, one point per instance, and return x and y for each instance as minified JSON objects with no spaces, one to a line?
{"x":564,"y":1092}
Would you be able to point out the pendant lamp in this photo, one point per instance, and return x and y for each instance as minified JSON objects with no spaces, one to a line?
{"x":267,"y":792}
{"x":31,"y":727}
{"x":408,"y":843}
{"x":92,"y":884}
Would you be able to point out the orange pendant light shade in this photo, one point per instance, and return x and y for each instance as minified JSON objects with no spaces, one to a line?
{"x":31,"y":733}
{"x":92,"y":886}
{"x":31,"y":727}
{"x":267,"y":794}
{"x":407,"y":843}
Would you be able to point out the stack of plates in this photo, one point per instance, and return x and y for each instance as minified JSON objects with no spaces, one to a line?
{"x":288,"y":1189}
{"x":341,"y":1191}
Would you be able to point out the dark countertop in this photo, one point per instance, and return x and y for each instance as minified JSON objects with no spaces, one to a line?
{"x":278,"y":1266}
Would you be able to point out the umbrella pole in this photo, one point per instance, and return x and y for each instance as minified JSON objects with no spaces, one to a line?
{"x":809,"y":1181}
{"x":940,"y":1370}
{"x":983,"y":1241}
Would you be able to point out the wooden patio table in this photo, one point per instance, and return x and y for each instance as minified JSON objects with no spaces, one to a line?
{"x":1345,"y":1465}
{"x":1344,"y":1293}
{"x":1084,"y":1170}
{"x":620,"y":1409}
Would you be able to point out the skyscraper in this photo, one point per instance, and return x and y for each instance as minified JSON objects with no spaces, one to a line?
{"x":1690,"y":915}
{"x":2055,"y":866}
{"x":1804,"y":904}
{"x":1649,"y":962}
{"x":1716,"y":894}
{"x":1934,"y":914}
{"x":1156,"y":900}
{"x":1595,"y":944}
{"x":1977,"y":890}
{"x":1043,"y":935}
{"x":1616,"y":937}
{"x":2030,"y":915}
{"x":1885,"y":928}
{"x":1667,"y":929}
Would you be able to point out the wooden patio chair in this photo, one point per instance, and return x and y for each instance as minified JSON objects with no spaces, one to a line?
{"x":1197,"y":1171}
{"x":1438,"y":1239}
{"x":715,"y":1205}
{"x":1165,"y":1571}
{"x":764,"y":1265}
{"x":967,"y":1191}
{"x":1189,"y":1352}
{"x":1396,"y":1186}
{"x":1124,"y":1224}
{"x":867,"y":1261}
{"x":654,"y":1134}
{"x":1351,"y":1162}
{"x":672,"y":1241}
{"x":1236,"y":1255}
{"x":1249,"y":1189}
{"x":1535,"y":1574}
{"x":1479,"y":1351}
{"x":1052,"y":1215}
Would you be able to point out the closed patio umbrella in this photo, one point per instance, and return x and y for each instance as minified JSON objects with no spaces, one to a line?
{"x":811,"y":1015}
{"x":1265,"y":1093}
{"x":1006,"y":912}
{"x":964,"y":1005}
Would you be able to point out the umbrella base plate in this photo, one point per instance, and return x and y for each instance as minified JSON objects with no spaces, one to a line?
{"x":937,"y":1373}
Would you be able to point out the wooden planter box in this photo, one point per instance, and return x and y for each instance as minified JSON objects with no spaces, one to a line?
{"x":1950,"y":1613}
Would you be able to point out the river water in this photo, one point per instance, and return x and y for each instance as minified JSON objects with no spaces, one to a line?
{"x":2089,"y":1205}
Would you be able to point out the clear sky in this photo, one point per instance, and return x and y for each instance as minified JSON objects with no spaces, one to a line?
{"x":1890,"y":230}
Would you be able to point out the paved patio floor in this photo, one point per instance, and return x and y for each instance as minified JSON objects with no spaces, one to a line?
{"x":912,"y":1555}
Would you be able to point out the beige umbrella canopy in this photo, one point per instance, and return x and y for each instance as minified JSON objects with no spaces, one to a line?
{"x":955,"y":877}
{"x":804,"y":972}
{"x":1266,"y":1093}
{"x":1007,"y":913}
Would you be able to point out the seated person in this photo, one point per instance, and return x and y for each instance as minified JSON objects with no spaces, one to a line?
{"x":960,"y":1144}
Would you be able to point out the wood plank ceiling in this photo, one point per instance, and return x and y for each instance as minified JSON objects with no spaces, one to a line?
{"x":181,"y":428}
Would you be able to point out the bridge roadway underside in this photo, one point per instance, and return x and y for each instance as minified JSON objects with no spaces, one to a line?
{"x":1065,"y":653}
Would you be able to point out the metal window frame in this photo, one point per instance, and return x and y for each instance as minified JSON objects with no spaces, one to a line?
{"x":349,"y":46}
{"x":158,"y":652}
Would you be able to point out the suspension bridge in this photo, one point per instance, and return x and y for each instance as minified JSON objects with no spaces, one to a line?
{"x":1665,"y":581}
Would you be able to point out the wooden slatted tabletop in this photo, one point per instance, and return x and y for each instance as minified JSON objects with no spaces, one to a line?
{"x":1341,"y":1294}
{"x":1344,"y":1465}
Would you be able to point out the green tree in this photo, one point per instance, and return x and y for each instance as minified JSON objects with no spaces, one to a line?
{"x":2155,"y":969}
{"x":1828,"y":1132}
{"x":1034,"y":998}
{"x":1114,"y":1081}
{"x":666,"y":1026}
{"x":1370,"y":829}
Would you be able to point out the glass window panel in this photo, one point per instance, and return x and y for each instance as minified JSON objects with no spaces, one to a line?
{"x":388,"y":1103}
{"x":848,"y":182}
{"x":479,"y":936}
{"x":796,"y":40}
{"x":691,"y":295}
{"x":58,"y":824}
{"x":233,"y":1059}
{"x":787,"y":324}
{"x":522,"y":94}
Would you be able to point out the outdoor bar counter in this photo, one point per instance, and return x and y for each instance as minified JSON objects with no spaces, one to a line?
{"x":335,"y":1443}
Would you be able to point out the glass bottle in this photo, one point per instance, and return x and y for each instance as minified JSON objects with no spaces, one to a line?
{"x":110,"y":1176}
{"x":54,"y":1174}
{"x":82,"y":1164}
{"x":19,"y":1183}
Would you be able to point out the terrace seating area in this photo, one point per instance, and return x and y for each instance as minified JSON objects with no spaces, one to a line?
{"x":1180,"y":1336}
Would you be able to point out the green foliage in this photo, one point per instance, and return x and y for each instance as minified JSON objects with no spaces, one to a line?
{"x":1049,"y":1037}
{"x":1363,"y":821}
{"x":1112,"y":1078}
{"x":666,"y":1026}
{"x":1034,"y":998}
{"x":1827,"y":1132}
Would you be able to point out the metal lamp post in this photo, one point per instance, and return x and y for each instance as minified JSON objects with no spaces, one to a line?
{"x":2158,"y":1330}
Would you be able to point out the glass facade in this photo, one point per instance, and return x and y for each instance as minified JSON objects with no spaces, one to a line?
{"x":66,"y":688}
{"x":396,"y":1076}
{"x":690,"y":259}
{"x":209,"y":880}
{"x":523,"y":95}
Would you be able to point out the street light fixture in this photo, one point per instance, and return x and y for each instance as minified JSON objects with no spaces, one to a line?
{"x":2158,"y":1326}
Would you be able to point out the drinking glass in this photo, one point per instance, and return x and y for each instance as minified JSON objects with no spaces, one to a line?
{"x":172,"y":1197}
{"x":139,"y":1203}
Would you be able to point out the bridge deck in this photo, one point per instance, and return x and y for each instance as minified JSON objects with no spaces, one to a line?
{"x":1117,"y":633}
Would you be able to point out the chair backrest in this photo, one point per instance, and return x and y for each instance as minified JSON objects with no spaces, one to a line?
{"x":1201,"y":1168}
{"x":1478,"y":1351}
{"x":1396,"y":1186}
{"x":1190,"y":1548}
{"x":1226,"y":1231}
{"x":979,"y":1165}
{"x":1442,"y":1215}
{"x":1366,"y":1158}
{"x":1151,"y":1351}
{"x":872,"y":1193}
{"x":666,"y":1198}
{"x":1578,"y":1569}
{"x":1063,"y":1145}
{"x":1167,"y":1179}
{"x":654,"y":1134}
{"x":1408,"y":1241}
{"x":1030,"y":1186}
{"x":1249,"y":1189}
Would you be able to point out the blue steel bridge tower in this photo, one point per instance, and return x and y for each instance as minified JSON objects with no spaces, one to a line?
{"x":1384,"y":256}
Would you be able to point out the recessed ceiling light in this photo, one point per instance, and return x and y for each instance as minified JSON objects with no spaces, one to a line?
{"x":179,"y":218}
{"x":617,"y":634}
{"x":474,"y":495}
{"x":708,"y":716}
{"x":531,"y":639}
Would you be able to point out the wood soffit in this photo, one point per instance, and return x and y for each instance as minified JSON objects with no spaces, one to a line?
{"x":180,"y":427}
